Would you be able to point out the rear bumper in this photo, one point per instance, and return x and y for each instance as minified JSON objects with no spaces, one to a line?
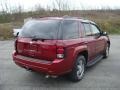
{"x":55,"y":67}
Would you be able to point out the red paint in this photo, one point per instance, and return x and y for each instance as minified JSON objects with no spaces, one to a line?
{"x":41,"y":56}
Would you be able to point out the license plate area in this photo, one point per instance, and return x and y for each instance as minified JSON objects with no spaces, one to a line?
{"x":32,"y":49}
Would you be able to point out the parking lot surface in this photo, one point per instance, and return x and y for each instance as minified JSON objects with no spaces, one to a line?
{"x":105,"y":75}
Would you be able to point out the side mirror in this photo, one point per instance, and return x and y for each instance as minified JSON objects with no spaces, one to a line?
{"x":104,"y":33}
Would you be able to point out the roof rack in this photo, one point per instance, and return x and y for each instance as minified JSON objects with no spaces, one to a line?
{"x":67,"y":16}
{"x":83,"y":19}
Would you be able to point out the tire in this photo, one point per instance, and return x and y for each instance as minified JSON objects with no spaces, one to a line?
{"x":78,"y":70}
{"x":106,"y":53}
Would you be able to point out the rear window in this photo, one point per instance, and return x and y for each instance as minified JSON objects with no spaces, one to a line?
{"x":44,"y":29}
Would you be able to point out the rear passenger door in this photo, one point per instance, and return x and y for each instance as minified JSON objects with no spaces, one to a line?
{"x":99,"y":40}
{"x":89,"y":40}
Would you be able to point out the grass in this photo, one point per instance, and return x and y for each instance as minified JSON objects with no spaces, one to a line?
{"x":6,"y":30}
{"x":111,"y":26}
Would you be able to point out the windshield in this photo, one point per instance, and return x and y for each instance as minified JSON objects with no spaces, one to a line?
{"x":43,"y":29}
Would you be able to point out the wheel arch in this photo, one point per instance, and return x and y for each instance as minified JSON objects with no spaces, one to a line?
{"x":81,"y":50}
{"x":85,"y":54}
{"x":108,"y":43}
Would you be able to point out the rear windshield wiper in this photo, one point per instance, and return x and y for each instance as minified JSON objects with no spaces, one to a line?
{"x":36,"y":39}
{"x":41,"y":37}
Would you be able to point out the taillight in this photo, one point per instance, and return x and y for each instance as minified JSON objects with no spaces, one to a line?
{"x":60,"y":52}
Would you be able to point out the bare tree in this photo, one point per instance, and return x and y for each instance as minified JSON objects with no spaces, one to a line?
{"x":61,"y":5}
{"x":2,"y":7}
{"x":39,"y":8}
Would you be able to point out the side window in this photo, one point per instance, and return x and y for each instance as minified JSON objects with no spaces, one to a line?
{"x":70,"y":29}
{"x":94,"y":29}
{"x":87,"y":29}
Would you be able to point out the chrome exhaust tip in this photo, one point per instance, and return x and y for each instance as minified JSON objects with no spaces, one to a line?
{"x":47,"y":76}
{"x":52,"y":76}
{"x":28,"y":69}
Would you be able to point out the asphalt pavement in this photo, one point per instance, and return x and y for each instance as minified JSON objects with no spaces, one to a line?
{"x":105,"y":75}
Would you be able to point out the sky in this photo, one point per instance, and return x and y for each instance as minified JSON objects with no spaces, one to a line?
{"x":74,"y":4}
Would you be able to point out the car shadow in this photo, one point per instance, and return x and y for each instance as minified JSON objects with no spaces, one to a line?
{"x":38,"y":79}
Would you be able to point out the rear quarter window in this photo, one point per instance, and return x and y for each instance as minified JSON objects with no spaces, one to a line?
{"x":70,"y":29}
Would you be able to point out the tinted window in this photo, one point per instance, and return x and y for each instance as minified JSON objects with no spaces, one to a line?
{"x":95,"y":30}
{"x":70,"y":29}
{"x":87,"y":29}
{"x":45,"y":29}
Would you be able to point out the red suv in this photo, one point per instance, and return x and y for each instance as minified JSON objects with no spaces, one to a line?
{"x":60,"y":45}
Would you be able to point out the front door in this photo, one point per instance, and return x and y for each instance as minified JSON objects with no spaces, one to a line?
{"x":99,"y":40}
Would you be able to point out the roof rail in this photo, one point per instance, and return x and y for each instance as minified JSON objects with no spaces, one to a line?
{"x":67,"y":16}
